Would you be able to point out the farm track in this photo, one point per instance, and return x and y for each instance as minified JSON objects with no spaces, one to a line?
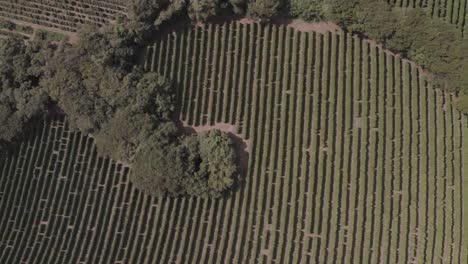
{"x":353,"y":157}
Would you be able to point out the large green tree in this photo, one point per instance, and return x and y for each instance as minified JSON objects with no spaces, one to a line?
{"x":263,"y":9}
{"x":202,"y":165}
{"x":21,"y":97}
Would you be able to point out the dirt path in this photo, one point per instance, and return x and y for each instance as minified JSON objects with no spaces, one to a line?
{"x":72,"y":37}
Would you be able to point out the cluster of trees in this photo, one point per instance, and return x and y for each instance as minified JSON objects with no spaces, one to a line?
{"x":156,"y":12}
{"x":201,"y":164}
{"x":129,"y":112}
{"x":21,"y":101}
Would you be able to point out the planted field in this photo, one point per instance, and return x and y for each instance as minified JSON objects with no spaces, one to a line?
{"x":452,"y":11}
{"x":353,"y":158}
{"x":64,"y":15}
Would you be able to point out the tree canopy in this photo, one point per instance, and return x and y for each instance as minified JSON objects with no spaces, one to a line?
{"x":21,"y":68}
{"x":265,"y":9}
{"x":202,"y":165}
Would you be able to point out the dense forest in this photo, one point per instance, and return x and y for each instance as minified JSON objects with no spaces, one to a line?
{"x":130,"y":112}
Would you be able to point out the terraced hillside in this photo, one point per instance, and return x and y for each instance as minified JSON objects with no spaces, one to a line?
{"x":64,"y":15}
{"x":354,"y":157}
{"x":453,"y":11}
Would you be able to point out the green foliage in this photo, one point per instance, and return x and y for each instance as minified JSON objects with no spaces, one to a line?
{"x":7,"y":24}
{"x":174,"y":9}
{"x":11,"y":123}
{"x":21,"y":99}
{"x":164,"y":169}
{"x":160,"y":170}
{"x":341,"y":11}
{"x":372,"y":17}
{"x":264,"y":9}
{"x":129,"y":112}
{"x":148,"y":93}
{"x":432,"y":43}
{"x":462,"y":102}
{"x":92,"y":79}
{"x":140,"y":112}
{"x":201,"y":165}
{"x":218,"y":164}
{"x":142,"y":14}
{"x":309,"y":10}
{"x":201,"y":10}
